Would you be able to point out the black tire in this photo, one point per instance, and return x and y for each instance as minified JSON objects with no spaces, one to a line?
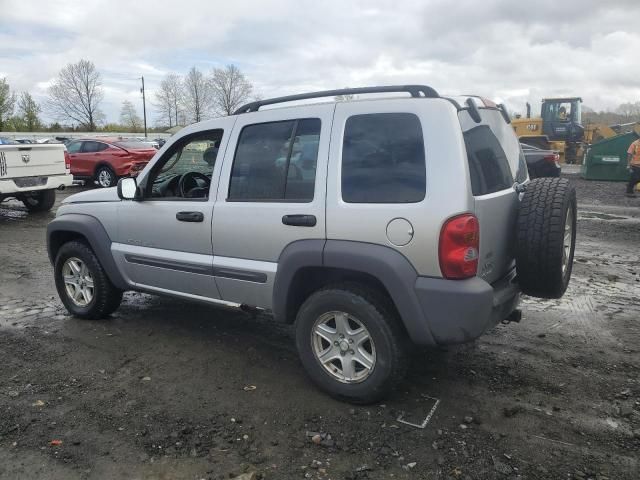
{"x":41,"y":201}
{"x":106,"y":297}
{"x":540,"y":242}
{"x":376,"y":313}
{"x":109,"y":176}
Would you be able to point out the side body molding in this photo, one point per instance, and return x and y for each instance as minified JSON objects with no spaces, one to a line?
{"x":89,"y":227}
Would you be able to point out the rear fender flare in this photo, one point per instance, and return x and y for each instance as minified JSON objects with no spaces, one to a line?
{"x":388,"y":266}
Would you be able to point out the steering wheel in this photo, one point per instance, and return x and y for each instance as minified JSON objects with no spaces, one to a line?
{"x":188,"y":181}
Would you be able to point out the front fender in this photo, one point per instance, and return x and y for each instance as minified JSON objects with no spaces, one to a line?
{"x":73,"y":225}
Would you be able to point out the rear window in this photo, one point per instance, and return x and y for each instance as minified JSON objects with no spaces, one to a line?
{"x":133,"y":145}
{"x":488,"y":164}
{"x":383,"y":159}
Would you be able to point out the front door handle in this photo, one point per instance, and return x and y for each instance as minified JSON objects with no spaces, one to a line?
{"x":299,"y":220}
{"x":190,"y":216}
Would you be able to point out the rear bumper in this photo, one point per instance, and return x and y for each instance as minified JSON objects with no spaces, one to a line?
{"x":11,"y":186}
{"x":458,"y":311}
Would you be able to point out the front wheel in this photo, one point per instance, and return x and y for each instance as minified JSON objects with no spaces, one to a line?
{"x":40,"y":201}
{"x":82,"y":284}
{"x":105,"y":177}
{"x":351,"y":343}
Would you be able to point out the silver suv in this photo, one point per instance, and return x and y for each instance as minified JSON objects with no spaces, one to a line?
{"x":371,"y":224}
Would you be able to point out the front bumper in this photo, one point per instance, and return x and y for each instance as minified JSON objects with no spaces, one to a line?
{"x":458,"y":311}
{"x":11,"y":186}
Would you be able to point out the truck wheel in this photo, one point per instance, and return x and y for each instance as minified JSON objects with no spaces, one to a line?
{"x":40,"y":201}
{"x":351,"y":343}
{"x":546,"y":237}
{"x":82,"y":284}
{"x":106,"y":177}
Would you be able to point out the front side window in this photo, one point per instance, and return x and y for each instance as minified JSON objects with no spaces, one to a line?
{"x":276,"y":161}
{"x":186,"y":168}
{"x":383,"y":159}
{"x":488,"y":164}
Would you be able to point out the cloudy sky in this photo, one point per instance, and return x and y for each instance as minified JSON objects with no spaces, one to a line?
{"x":501,"y":49}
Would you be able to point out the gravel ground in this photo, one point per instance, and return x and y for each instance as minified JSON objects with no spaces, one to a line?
{"x":165,"y":389}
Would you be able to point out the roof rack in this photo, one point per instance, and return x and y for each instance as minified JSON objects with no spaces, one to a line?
{"x":414,"y":90}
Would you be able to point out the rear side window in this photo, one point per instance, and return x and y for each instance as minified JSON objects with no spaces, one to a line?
{"x":383,"y":159}
{"x":276,"y":161}
{"x":90,"y":147}
{"x":488,"y":164}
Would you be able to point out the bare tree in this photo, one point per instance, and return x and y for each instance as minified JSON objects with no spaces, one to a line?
{"x":230,"y":89}
{"x":28,"y":110}
{"x":129,"y":117}
{"x":169,"y":99}
{"x":7,"y":102}
{"x":197,"y":96}
{"x":629,"y":110}
{"x":76,"y":94}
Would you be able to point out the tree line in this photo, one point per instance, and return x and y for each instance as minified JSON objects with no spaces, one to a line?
{"x":75,"y":97}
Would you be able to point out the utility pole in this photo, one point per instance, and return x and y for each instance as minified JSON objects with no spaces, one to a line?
{"x":144,"y":109}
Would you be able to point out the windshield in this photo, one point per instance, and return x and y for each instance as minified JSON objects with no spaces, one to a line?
{"x":577,"y":109}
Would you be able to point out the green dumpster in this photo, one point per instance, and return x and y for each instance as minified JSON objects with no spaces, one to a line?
{"x":607,"y":159}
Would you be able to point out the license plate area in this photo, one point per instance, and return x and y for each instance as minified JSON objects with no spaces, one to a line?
{"x":23,"y":182}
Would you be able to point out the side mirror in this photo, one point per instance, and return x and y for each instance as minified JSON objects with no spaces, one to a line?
{"x":127,"y":188}
{"x":474,"y":113}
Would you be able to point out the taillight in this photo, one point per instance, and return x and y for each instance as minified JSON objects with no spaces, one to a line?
{"x":458,"y":248}
{"x":67,"y":160}
{"x":553,"y":158}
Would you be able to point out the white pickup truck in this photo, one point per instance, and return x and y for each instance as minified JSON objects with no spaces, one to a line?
{"x":31,"y":173}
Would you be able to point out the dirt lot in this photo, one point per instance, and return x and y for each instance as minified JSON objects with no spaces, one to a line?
{"x":159,"y":390}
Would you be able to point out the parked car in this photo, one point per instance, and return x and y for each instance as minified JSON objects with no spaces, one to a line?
{"x":25,"y":140}
{"x":105,"y":160}
{"x":7,"y":141}
{"x":32,"y":173}
{"x":371,"y":224}
{"x":540,"y":162}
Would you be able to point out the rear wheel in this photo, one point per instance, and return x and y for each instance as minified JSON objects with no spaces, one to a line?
{"x":105,"y":177}
{"x":82,"y":284}
{"x":546,"y":237}
{"x":40,"y":201}
{"x":350,"y":343}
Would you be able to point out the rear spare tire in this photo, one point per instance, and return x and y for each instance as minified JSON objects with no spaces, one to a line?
{"x":546,"y":237}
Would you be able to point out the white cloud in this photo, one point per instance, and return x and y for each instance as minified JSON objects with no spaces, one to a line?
{"x":501,"y":49}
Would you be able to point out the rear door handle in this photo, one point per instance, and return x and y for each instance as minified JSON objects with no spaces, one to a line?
{"x":190,"y":216}
{"x":299,"y":220}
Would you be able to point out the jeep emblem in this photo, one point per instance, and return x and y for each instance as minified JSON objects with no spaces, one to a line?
{"x":25,"y":158}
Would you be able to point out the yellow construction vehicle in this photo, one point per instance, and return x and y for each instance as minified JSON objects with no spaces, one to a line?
{"x":559,"y":127}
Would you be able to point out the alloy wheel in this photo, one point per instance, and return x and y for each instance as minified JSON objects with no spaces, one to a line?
{"x":568,"y":238}
{"x":344,"y":347}
{"x":105,"y":178}
{"x":78,"y":281}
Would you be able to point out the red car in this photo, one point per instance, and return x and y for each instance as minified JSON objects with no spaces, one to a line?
{"x":105,"y":160}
